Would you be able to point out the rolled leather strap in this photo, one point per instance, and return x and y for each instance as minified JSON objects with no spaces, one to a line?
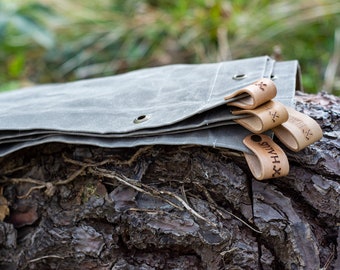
{"x":298,"y":131}
{"x":264,"y":117}
{"x":268,"y":160}
{"x":253,"y":95}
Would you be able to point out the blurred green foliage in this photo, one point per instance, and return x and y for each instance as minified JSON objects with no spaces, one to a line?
{"x":58,"y":40}
{"x":24,"y":36}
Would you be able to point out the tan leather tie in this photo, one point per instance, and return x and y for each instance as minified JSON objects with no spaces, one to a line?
{"x":294,"y":129}
{"x":298,"y":131}
{"x":268,"y":161}
{"x":264,"y":117}
{"x":253,"y":95}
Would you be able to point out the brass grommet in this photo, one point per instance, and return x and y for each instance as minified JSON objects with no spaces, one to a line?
{"x":142,"y":118}
{"x":240,"y":76}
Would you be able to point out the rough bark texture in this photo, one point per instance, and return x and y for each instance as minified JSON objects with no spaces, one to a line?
{"x":80,"y":207}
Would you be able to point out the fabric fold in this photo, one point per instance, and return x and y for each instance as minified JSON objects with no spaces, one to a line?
{"x":175,"y":104}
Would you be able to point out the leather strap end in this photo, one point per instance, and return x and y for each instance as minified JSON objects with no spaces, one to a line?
{"x":258,"y":93}
{"x":269,"y":160}
{"x":299,"y":131}
{"x":263,"y":118}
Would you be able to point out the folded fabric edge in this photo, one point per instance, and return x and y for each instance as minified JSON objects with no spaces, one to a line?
{"x":218,"y":137}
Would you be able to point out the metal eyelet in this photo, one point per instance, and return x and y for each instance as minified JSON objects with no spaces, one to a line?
{"x":239,"y":76}
{"x":273,"y":77}
{"x":142,"y":118}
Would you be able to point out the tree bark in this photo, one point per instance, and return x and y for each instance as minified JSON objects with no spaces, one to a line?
{"x":162,"y":207}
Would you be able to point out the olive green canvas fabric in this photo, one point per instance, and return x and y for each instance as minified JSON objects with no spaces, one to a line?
{"x":170,"y":105}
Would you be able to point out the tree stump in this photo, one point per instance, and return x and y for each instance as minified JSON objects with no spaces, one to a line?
{"x":166,"y":207}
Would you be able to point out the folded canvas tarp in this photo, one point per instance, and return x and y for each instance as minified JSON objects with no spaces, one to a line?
{"x":169,"y":105}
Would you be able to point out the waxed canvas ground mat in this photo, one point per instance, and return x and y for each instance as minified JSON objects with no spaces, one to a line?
{"x":217,"y":105}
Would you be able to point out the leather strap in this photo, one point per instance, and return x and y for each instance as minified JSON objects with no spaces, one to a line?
{"x":268,"y":161}
{"x":253,"y":95}
{"x":263,"y":118}
{"x":299,"y":131}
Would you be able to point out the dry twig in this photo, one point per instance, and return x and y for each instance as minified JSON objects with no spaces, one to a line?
{"x":219,"y":210}
{"x":153,"y":192}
